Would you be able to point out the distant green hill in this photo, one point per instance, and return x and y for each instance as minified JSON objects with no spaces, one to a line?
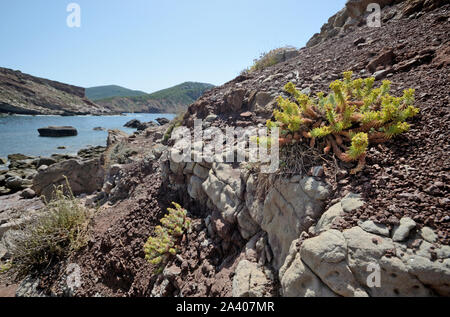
{"x":170,"y":100}
{"x":185,"y":93}
{"x":102,"y":92}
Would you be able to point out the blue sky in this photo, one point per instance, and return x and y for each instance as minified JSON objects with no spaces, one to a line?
{"x":151,"y":45}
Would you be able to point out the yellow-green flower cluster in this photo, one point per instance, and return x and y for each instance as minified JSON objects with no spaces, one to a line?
{"x":354,"y":112}
{"x":162,"y":244}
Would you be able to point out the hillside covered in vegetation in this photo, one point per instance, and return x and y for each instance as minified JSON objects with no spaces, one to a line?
{"x":109,"y":91}
{"x":170,"y":100}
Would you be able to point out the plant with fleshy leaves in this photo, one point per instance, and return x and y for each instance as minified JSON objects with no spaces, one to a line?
{"x":347,"y":120}
{"x":163,"y":243}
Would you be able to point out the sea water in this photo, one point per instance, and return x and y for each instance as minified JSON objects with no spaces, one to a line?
{"x":19,"y":133}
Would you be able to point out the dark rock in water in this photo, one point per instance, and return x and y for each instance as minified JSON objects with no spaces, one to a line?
{"x":3,"y":161}
{"x":162,"y":121}
{"x":133,"y":124}
{"x":99,"y":129}
{"x":58,"y":131}
{"x":61,"y":147}
{"x":140,"y":126}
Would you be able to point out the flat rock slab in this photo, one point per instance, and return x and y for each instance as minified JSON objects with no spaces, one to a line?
{"x":9,"y":203}
{"x":57,"y":131}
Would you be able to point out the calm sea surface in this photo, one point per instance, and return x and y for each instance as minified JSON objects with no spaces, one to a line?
{"x":18,"y":134}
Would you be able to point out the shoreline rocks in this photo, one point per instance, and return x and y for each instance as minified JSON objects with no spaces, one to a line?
{"x":140,"y":126}
{"x":162,"y":121}
{"x":83,"y":177}
{"x":23,"y":169}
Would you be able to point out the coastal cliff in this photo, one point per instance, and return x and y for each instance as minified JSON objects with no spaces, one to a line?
{"x":25,"y":94}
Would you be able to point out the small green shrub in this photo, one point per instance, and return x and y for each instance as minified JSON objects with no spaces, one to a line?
{"x":352,"y":116}
{"x":175,"y":123}
{"x":266,"y":60}
{"x":61,"y":230}
{"x":162,"y":245}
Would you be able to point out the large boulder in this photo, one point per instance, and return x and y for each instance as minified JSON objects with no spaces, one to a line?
{"x":18,"y":157}
{"x":57,"y":131}
{"x":115,"y":136}
{"x":83,"y":176}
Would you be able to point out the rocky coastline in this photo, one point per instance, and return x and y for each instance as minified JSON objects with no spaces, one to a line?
{"x":319,"y":231}
{"x":20,"y":170}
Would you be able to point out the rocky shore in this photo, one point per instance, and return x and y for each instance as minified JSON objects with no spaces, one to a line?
{"x":22,"y":169}
{"x":317,"y":231}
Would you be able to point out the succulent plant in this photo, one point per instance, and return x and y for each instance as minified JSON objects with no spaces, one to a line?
{"x":352,"y":116}
{"x":162,"y":244}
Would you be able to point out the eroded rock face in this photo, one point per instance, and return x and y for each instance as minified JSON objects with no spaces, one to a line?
{"x":225,"y":189}
{"x":344,"y":262}
{"x":332,"y":263}
{"x":288,"y":208}
{"x":291,"y":206}
{"x":83,"y":177}
{"x":356,"y":11}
